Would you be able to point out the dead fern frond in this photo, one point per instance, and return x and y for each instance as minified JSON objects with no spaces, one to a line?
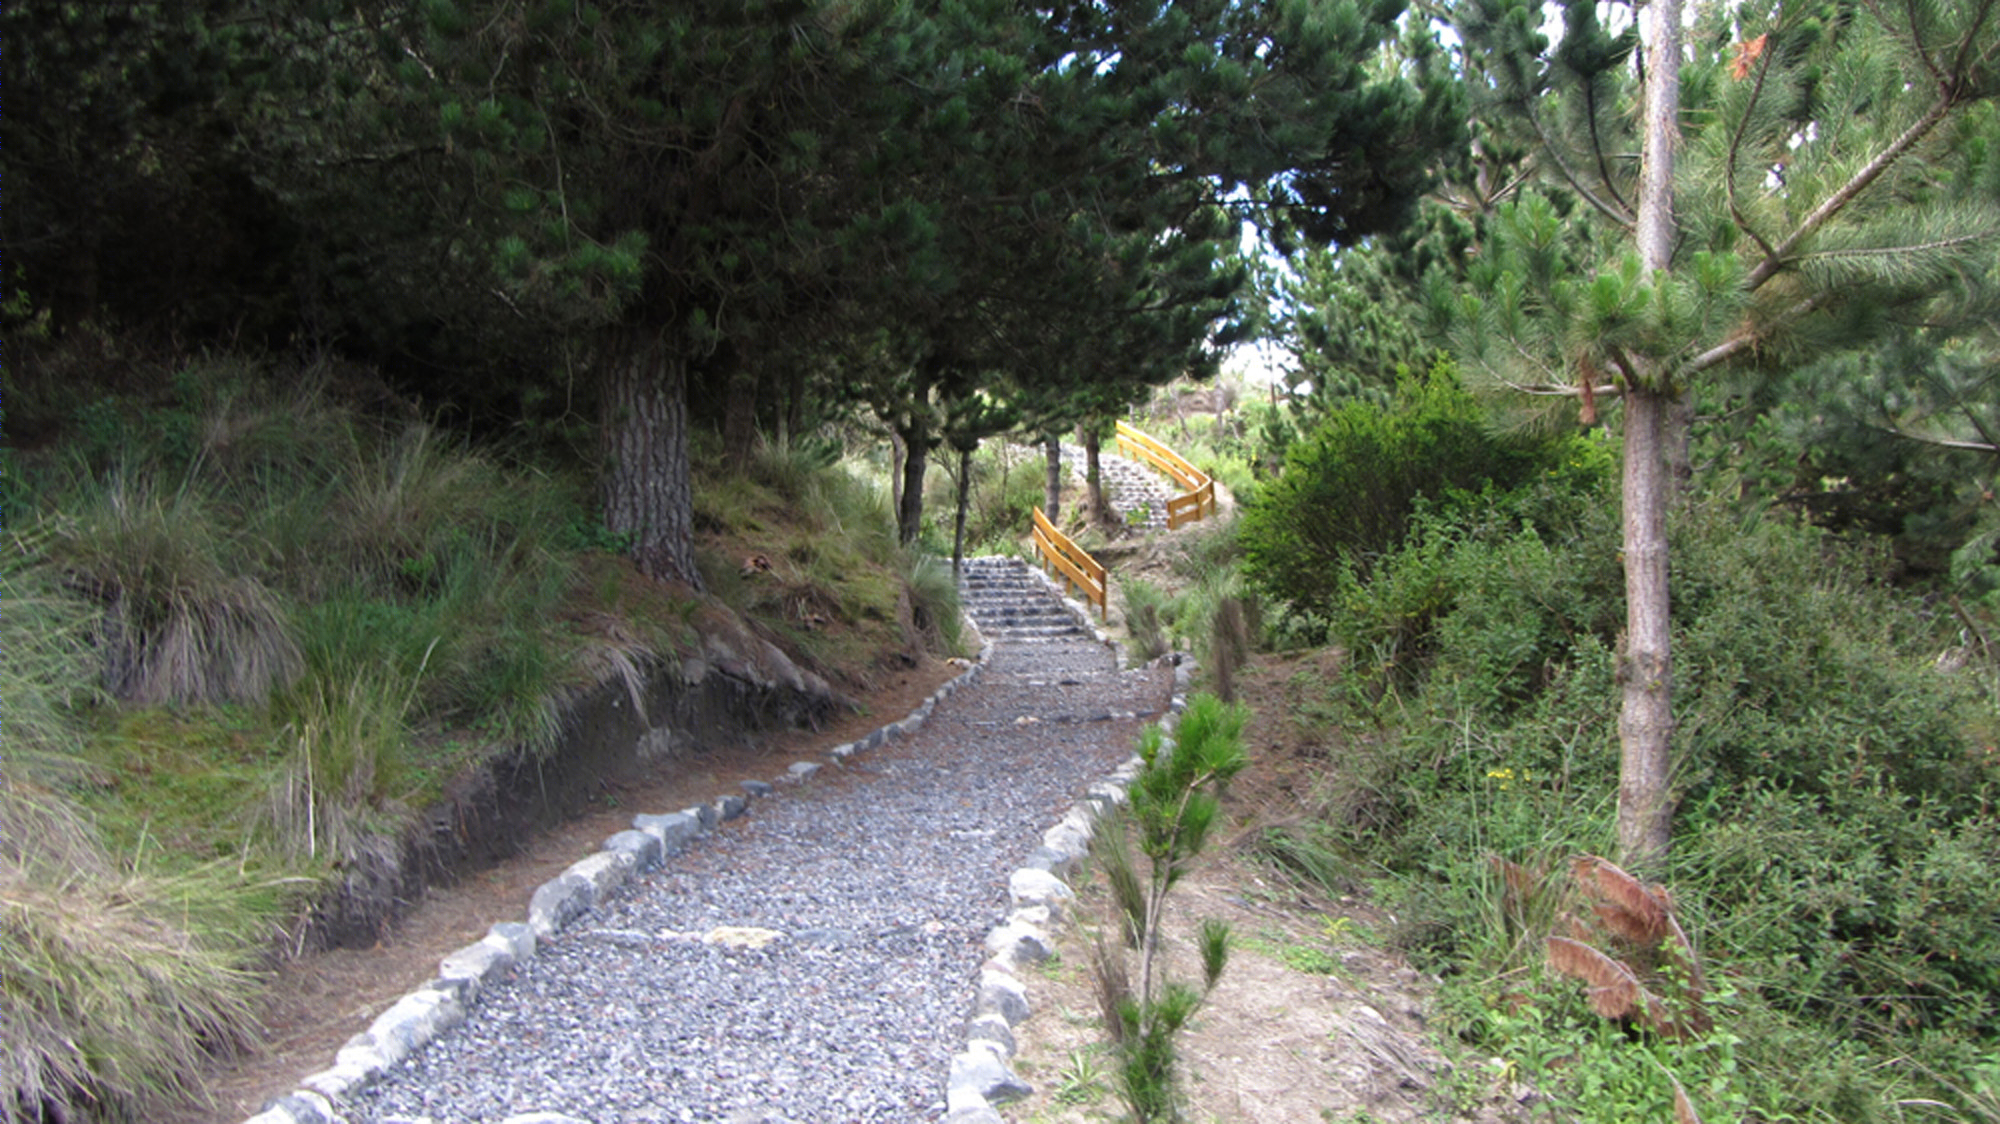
{"x":1613,"y":990}
{"x":1626,"y":907}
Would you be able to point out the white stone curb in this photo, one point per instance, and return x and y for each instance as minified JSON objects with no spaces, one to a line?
{"x":442,"y":1003}
{"x":1040,"y":896}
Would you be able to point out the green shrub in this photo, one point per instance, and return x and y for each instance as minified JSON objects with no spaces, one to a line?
{"x":1349,"y":491}
{"x":1835,"y":844}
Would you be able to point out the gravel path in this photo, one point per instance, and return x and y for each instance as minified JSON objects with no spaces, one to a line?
{"x":880,"y":880}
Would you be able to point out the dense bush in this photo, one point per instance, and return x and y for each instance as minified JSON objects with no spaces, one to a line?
{"x":1835,"y":841}
{"x":1349,"y":490}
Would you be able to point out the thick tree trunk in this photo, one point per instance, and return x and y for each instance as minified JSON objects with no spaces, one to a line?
{"x":792,"y":418}
{"x":1645,"y":720}
{"x":916,"y":458}
{"x":1680,"y":444}
{"x":1052,"y":483}
{"x":648,"y":495}
{"x":1093,"y":478}
{"x":964,"y":502}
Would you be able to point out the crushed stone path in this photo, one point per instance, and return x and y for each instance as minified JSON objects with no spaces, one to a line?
{"x":816,"y":959}
{"x":1136,"y":491}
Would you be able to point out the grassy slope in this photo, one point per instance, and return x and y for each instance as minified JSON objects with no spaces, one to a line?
{"x":249,"y":629}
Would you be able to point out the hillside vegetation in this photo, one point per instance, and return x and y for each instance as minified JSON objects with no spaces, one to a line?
{"x":254,"y":631}
{"x":1821,"y":946}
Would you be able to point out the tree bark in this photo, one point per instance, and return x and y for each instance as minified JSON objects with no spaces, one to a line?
{"x":1093,"y":477}
{"x":1052,"y":483}
{"x":916,"y":458}
{"x":648,"y":494}
{"x":739,"y":418}
{"x":964,"y":501}
{"x":1645,"y":720}
{"x":896,"y":451}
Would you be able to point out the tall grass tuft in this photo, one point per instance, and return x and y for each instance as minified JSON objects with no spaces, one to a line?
{"x":1145,"y":605}
{"x":347,"y":734}
{"x":114,"y":986}
{"x":182,"y":623}
{"x":934,"y":602}
{"x":1228,"y":645}
{"x":115,"y":990}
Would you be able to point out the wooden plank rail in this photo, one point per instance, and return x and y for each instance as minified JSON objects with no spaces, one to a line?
{"x":1198,"y":500}
{"x":1077,"y":567}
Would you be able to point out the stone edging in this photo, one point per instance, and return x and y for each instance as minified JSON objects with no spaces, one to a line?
{"x":1040,"y":896}
{"x":442,"y":1003}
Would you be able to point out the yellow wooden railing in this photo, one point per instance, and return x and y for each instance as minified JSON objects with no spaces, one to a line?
{"x":1078,"y":568}
{"x":1198,"y":498}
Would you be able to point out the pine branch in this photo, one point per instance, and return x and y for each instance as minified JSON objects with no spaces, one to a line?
{"x":1835,"y":203}
{"x":1738,"y":344}
{"x":1735,"y":149}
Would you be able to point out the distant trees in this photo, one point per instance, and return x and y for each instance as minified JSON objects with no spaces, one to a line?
{"x":623,"y":210}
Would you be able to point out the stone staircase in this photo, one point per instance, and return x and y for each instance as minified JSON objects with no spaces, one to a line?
{"x":1010,"y":601}
{"x":1135,"y":491}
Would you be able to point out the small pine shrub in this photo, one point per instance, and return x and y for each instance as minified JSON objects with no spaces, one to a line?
{"x":1174,"y":803}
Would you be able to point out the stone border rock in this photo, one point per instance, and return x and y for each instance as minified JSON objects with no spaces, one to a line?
{"x":443,"y":1002}
{"x":1040,"y":896}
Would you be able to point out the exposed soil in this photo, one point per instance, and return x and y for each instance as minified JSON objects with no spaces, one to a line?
{"x":315,"y":1003}
{"x":1315,"y":1017}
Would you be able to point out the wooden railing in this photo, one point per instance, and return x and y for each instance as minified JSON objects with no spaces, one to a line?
{"x":1198,"y":499}
{"x":1078,"y":568}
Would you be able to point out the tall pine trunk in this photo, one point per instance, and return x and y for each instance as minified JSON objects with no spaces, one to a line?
{"x":1645,"y":719}
{"x":648,"y":495}
{"x":896,"y":474}
{"x":739,"y":418}
{"x":1052,"y":483}
{"x":964,"y":502}
{"x":916,"y":458}
{"x":1093,"y":476}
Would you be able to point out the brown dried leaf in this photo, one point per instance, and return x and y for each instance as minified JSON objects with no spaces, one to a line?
{"x":1613,"y":990}
{"x":1747,"y":53}
{"x":1630,"y":910}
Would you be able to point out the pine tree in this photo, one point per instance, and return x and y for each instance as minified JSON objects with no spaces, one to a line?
{"x":1790,"y":198}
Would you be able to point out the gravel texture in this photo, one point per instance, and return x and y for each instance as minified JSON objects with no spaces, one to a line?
{"x":815,"y":959}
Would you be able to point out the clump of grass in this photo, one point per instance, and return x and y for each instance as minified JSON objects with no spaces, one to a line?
{"x":934,"y":602}
{"x":114,"y":985}
{"x":115,"y":990}
{"x":182,"y":623}
{"x":1228,"y":645}
{"x":1144,"y":606}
